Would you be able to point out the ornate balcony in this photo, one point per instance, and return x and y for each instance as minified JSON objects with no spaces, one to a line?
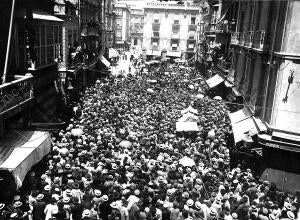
{"x":222,"y":64}
{"x":248,"y":36}
{"x":254,"y":39}
{"x":192,"y":28}
{"x":15,"y":93}
{"x":260,"y":40}
{"x":235,"y":38}
{"x":222,"y":27}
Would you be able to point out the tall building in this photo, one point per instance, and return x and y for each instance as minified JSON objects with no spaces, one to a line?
{"x":172,"y":27}
{"x":122,"y":26}
{"x":265,"y":53}
{"x":136,"y":27}
{"x":110,"y":23}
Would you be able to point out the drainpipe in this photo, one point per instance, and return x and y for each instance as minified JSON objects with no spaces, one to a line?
{"x":79,"y":22}
{"x":271,"y":61}
{"x":8,"y":41}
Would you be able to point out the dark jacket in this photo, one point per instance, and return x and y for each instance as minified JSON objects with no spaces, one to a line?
{"x":38,"y":210}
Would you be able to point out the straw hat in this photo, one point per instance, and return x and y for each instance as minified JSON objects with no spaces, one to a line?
{"x":2,"y":205}
{"x":66,"y":199}
{"x":198,"y":205}
{"x":86,"y":213}
{"x":47,"y":187}
{"x":114,"y":205}
{"x":290,"y":215}
{"x":190,"y":202}
{"x":40,"y":196}
{"x":97,"y":192}
{"x":18,"y":204}
{"x":105,"y":198}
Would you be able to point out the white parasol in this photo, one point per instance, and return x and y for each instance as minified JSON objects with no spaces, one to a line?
{"x":217,"y":98}
{"x":125,"y":144}
{"x":187,"y":162}
{"x":76,"y":132}
{"x":199,"y":96}
{"x":150,"y":90}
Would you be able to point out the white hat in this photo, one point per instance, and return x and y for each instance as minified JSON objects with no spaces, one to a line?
{"x":190,"y":202}
{"x":105,"y":198}
{"x":114,"y":205}
{"x":198,"y":205}
{"x":291,"y":215}
{"x":97,"y":192}
{"x":86,"y":213}
{"x":40,"y":196}
{"x":47,"y":187}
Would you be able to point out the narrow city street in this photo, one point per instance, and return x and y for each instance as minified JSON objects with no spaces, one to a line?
{"x":149,"y":110}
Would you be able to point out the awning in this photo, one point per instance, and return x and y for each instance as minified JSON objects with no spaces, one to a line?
{"x":188,"y":117}
{"x":40,"y":15}
{"x":21,"y":150}
{"x":285,"y":181}
{"x":189,"y":109}
{"x":243,"y":125}
{"x":187,"y":126}
{"x":214,"y":81}
{"x":174,"y":53}
{"x":243,"y":130}
{"x":105,"y":61}
{"x":153,"y":52}
{"x":112,"y":52}
{"x":240,"y":115}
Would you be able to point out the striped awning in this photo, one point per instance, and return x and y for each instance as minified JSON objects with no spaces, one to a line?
{"x":20,"y":150}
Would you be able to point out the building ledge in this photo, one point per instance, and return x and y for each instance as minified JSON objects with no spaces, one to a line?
{"x":282,"y":144}
{"x":295,"y":56}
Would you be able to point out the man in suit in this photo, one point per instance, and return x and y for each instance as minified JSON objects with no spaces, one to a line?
{"x":38,"y":208}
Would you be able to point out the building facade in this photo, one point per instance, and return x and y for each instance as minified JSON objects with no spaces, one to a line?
{"x":266,"y":67}
{"x":172,"y":27}
{"x":122,"y":26}
{"x":136,"y":27}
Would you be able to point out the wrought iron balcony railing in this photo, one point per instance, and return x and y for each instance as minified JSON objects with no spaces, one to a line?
{"x":248,"y":36}
{"x":253,"y":39}
{"x":16,"y":92}
{"x":260,"y":40}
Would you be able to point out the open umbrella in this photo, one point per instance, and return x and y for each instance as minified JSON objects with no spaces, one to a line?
{"x":76,"y":132}
{"x":187,"y":162}
{"x":217,"y":98}
{"x":125,"y":144}
{"x":199,"y":96}
{"x":150,"y":90}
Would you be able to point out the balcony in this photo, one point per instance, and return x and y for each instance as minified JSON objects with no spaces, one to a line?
{"x":260,"y":40}
{"x":90,"y":31}
{"x":222,"y":27}
{"x":192,"y":28}
{"x":248,"y":36}
{"x":223,"y":65}
{"x":154,"y":47}
{"x":210,"y":28}
{"x":235,"y":38}
{"x":254,"y":39}
{"x":15,"y":93}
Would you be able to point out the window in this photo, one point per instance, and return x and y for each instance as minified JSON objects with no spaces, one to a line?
{"x":155,"y":34}
{"x":174,"y":44}
{"x":155,"y":27}
{"x":135,"y":41}
{"x":156,"y":21}
{"x":155,"y":43}
{"x":193,"y":20}
{"x":175,"y":28}
{"x":176,"y":21}
{"x":48,"y":43}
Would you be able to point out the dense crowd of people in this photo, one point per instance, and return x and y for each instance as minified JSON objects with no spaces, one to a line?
{"x":126,"y":164}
